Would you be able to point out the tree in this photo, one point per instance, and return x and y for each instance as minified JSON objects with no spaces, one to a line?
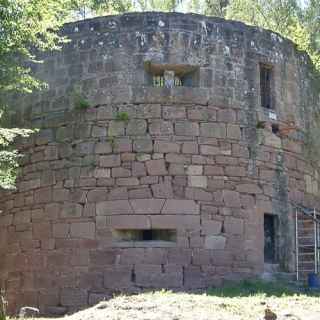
{"x":26,"y":27}
{"x":285,"y":17}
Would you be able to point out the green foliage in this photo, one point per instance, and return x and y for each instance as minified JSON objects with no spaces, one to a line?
{"x":286,"y":17}
{"x":122,"y":116}
{"x":3,"y":306}
{"x":79,"y":101}
{"x":8,"y":155}
{"x":254,"y":287}
{"x":159,"y":5}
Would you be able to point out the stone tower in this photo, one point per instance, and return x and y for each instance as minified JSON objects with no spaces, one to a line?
{"x":169,"y":154}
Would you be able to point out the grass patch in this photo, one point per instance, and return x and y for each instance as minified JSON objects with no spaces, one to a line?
{"x":248,"y":288}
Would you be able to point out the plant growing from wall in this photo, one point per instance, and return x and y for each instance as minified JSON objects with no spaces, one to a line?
{"x":122,"y":116}
{"x":80,"y":102}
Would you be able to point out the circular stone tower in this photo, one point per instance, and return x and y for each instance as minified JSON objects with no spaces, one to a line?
{"x":169,"y":155}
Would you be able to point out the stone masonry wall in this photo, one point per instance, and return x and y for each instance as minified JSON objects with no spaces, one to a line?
{"x":193,"y":159}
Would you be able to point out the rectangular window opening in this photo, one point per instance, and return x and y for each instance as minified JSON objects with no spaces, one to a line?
{"x":265,"y":86}
{"x":270,"y":238}
{"x":145,"y":235}
{"x":159,"y":81}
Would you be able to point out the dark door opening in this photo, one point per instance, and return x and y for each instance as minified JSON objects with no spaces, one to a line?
{"x":270,"y":238}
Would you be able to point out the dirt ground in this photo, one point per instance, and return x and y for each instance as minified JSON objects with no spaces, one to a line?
{"x":164,"y":305}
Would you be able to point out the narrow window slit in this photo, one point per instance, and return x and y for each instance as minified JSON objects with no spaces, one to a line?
{"x":265,"y":86}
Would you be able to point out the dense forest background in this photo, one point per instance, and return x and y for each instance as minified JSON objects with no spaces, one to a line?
{"x":26,"y":24}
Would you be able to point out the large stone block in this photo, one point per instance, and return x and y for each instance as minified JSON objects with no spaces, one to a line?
{"x":215,"y":242}
{"x":83,"y":230}
{"x":110,"y":161}
{"x":214,"y":130}
{"x":147,"y":206}
{"x":156,"y":167}
{"x":118,"y":277}
{"x":74,"y":297}
{"x":113,"y":207}
{"x":173,"y":206}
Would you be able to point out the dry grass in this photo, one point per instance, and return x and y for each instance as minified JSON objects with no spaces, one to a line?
{"x":242,"y":302}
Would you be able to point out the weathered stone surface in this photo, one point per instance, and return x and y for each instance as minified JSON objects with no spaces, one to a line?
{"x":191,"y":161}
{"x":166,"y":147}
{"x":147,"y":206}
{"x":82,"y":230}
{"x":215,"y":242}
{"x":231,"y":199}
{"x":198,"y":181}
{"x":173,"y":206}
{"x":117,"y":277}
{"x":156,"y":167}
{"x":113,"y":207}
{"x":214,"y":130}
{"x":110,"y":161}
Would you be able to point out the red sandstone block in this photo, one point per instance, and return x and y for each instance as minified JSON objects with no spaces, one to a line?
{"x":83,"y":230}
{"x":147,"y":206}
{"x":166,"y":147}
{"x":162,"y":190}
{"x":120,"y":172}
{"x":138,"y":169}
{"x":103,"y":257}
{"x":186,"y":128}
{"x":179,"y":256}
{"x":129,"y":222}
{"x":113,"y":207}
{"x":41,"y":230}
{"x":48,"y":244}
{"x":110,"y":161}
{"x":173,"y":206}
{"x":122,"y":145}
{"x":95,"y":298}
{"x":97,"y":195}
{"x":235,"y":171}
{"x":149,"y":180}
{"x":190,"y":147}
{"x":233,"y":131}
{"x":211,"y":227}
{"x":133,"y":181}
{"x":156,"y":167}
{"x":6,"y":220}
{"x":160,"y":127}
{"x":178,"y":158}
{"x":50,"y":298}
{"x":70,"y":210}
{"x":209,"y":150}
{"x":43,"y":195}
{"x":226,"y":115}
{"x":231,"y":199}
{"x":21,"y":217}
{"x":198,"y":194}
{"x":103,"y":147}
{"x":201,"y":257}
{"x":118,"y":193}
{"x":176,"y":112}
{"x":141,"y":193}
{"x":175,"y":221}
{"x":118,"y":277}
{"x":74,"y":297}
{"x":249,"y":188}
{"x":151,"y":276}
{"x":193,"y":277}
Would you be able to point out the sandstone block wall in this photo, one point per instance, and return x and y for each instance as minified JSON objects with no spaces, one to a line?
{"x":190,"y":159}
